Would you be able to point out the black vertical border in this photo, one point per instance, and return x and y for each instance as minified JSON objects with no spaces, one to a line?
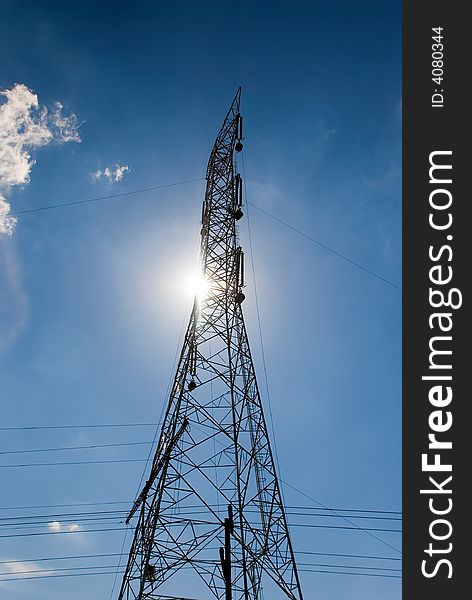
{"x":426,"y":129}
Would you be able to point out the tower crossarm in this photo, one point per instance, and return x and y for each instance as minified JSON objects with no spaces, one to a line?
{"x":156,"y":467}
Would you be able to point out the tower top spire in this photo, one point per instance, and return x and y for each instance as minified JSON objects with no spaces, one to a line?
{"x":231,"y":120}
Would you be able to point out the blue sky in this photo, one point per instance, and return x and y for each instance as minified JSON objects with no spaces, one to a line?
{"x":93,"y":297}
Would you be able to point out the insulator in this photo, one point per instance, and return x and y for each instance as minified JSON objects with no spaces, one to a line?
{"x":193,"y":360}
{"x":204,"y":212}
{"x":238,"y":189}
{"x":239,"y":267}
{"x":239,"y":129}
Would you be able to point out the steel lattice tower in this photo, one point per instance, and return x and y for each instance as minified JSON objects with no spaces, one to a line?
{"x":211,"y":521}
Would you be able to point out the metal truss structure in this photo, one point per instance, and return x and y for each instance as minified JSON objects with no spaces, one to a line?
{"x":210,"y":518}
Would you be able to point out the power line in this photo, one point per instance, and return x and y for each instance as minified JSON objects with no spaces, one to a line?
{"x":87,"y":426}
{"x":324,"y":571}
{"x":352,"y":573}
{"x":19,"y":522}
{"x":75,"y":518}
{"x":129,"y":502}
{"x":66,"y":525}
{"x":322,"y":245}
{"x":61,"y":569}
{"x":36,"y":533}
{"x":363,"y":556}
{"x":361,"y":510}
{"x":366,"y":529}
{"x":350,"y":567}
{"x":49,"y":558}
{"x":109,"y":555}
{"x":31,"y":507}
{"x":36,"y":450}
{"x":355,"y":526}
{"x":372,"y":535}
{"x":57,"y":515}
{"x":104,"y":521}
{"x":91,"y":567}
{"x":69,"y":463}
{"x":177,"y":523}
{"x":56,"y":576}
{"x":187,"y":508}
{"x":157,"y":187}
{"x":335,"y":516}
{"x":100,"y":198}
{"x":114,"y":514}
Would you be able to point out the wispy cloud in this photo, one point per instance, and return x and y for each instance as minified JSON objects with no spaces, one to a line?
{"x":57,"y":526}
{"x":112,"y":175}
{"x":7,"y":223}
{"x":24,"y":569}
{"x":25,"y":125}
{"x":13,"y":298}
{"x":65,"y":129}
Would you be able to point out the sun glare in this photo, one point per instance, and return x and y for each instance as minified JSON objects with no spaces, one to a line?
{"x":197,"y":287}
{"x":201,"y":288}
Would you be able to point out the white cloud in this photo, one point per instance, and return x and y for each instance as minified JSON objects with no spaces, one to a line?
{"x":19,"y":568}
{"x":56,"y":526}
{"x":7,"y":222}
{"x":25,"y":125}
{"x":66,"y":129}
{"x":113,"y":175}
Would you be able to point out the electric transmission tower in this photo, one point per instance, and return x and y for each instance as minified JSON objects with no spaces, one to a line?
{"x":210,"y":518}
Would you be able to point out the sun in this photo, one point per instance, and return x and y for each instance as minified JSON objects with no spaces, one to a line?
{"x":201,"y":287}
{"x":197,"y":286}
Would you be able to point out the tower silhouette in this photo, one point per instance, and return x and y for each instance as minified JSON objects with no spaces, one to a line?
{"x":210,"y":518}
